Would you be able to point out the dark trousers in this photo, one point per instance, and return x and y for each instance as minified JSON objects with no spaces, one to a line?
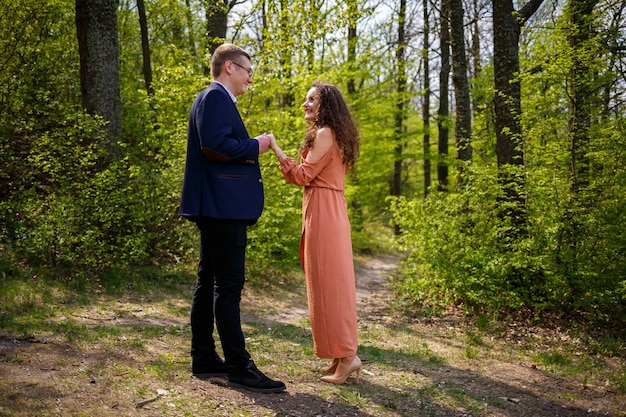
{"x":217,"y":295}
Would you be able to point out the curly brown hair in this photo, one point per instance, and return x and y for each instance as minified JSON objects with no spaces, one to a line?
{"x":334,"y":113}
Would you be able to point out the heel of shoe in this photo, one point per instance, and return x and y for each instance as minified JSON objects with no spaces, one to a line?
{"x":355,"y":365}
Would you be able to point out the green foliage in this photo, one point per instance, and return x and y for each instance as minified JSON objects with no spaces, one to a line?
{"x":458,"y":251}
{"x":62,"y":206}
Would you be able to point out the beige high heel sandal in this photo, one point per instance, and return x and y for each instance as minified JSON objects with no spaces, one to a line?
{"x":340,"y":378}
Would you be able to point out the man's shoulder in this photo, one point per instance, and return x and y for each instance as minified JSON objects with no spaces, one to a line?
{"x":216,"y":86}
{"x":212,"y":92}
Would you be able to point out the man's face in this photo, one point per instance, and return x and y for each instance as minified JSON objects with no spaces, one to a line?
{"x":240,"y":74}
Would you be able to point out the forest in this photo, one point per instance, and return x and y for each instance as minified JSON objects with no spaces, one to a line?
{"x":493,"y":139}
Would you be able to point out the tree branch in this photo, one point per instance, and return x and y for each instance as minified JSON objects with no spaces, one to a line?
{"x":528,"y":10}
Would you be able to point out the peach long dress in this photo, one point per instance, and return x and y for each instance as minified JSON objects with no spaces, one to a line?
{"x":326,"y":253}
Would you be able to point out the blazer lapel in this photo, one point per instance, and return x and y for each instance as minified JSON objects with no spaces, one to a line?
{"x":235,"y":110}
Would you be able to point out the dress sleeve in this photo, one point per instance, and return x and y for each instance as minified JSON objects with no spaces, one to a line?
{"x":301,"y":174}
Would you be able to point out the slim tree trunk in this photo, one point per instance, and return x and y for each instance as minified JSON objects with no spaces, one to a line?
{"x":463,"y":126}
{"x":401,"y":85}
{"x":352,"y":41}
{"x":145,"y":47}
{"x":476,"y":39}
{"x":286,"y":54}
{"x":477,"y":102}
{"x":311,"y":35}
{"x":444,"y":112}
{"x":580,"y":15}
{"x":426,"y":105}
{"x":400,"y":113}
{"x":352,"y":10}
{"x":96,"y":28}
{"x":190,"y":32}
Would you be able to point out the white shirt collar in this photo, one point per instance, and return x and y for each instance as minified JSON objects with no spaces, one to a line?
{"x":232,"y":97}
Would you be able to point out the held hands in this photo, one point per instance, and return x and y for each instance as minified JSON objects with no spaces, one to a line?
{"x":264,"y":142}
{"x":279,"y":152}
{"x":273,"y":145}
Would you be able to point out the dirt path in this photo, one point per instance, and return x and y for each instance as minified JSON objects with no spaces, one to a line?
{"x":134,"y":362}
{"x":511,"y":380}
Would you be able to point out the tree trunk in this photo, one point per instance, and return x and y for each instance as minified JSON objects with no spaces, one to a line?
{"x":286,"y":54}
{"x":190,"y":31}
{"x":352,"y":10}
{"x":400,"y":113}
{"x":145,"y":47}
{"x":216,"y":24}
{"x":426,"y":105}
{"x":477,"y":102}
{"x":507,"y":24}
{"x":581,"y":97}
{"x":311,"y":35}
{"x":444,"y":112}
{"x":476,"y":39}
{"x":507,"y":102}
{"x":401,"y":85}
{"x":463,"y":126}
{"x":352,"y":40}
{"x":96,"y":28}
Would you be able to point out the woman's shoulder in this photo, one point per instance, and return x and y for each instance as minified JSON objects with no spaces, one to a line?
{"x":325,"y":134}
{"x":324,"y":137}
{"x":326,"y":130}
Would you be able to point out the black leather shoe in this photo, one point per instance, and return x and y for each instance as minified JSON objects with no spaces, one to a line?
{"x":250,"y":378}
{"x":207,"y":367}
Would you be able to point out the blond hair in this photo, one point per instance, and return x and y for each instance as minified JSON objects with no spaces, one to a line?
{"x":223,"y":53}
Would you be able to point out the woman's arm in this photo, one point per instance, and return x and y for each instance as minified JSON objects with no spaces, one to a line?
{"x":274,"y":147}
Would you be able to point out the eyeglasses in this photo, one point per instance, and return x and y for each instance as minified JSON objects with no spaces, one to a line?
{"x":248,"y":70}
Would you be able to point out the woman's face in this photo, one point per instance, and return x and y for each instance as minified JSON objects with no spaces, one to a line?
{"x":311,"y":105}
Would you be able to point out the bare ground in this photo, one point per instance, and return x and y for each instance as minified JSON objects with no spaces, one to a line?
{"x":429,"y":367}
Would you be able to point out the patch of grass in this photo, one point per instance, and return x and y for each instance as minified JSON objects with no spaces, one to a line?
{"x":354,"y":398}
{"x":74,"y":332}
{"x":179,"y":330}
{"x":164,"y":367}
{"x":553,"y":359}
{"x":432,"y":356}
{"x":609,"y":344}
{"x":474,"y":338}
{"x":471,"y":352}
{"x":568,"y":396}
{"x":149,"y":332}
{"x":620,"y":381}
{"x":13,"y":358}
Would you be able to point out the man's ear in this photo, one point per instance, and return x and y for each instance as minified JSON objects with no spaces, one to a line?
{"x":228,"y":67}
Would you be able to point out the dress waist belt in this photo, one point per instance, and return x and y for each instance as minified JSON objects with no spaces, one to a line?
{"x":326,"y":188}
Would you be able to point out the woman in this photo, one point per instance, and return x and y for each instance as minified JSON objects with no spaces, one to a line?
{"x":330,"y":148}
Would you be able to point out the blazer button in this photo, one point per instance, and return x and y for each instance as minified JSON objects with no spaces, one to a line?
{"x":260,"y":180}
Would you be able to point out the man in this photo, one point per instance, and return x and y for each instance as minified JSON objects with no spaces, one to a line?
{"x":223,"y":195}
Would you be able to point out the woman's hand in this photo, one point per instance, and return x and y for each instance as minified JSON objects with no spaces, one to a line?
{"x":274,"y":146}
{"x":273,"y":143}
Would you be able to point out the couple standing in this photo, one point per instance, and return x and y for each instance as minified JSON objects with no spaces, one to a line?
{"x":223,"y":195}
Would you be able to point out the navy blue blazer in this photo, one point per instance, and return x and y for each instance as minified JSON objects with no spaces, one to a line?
{"x":222,"y":175}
